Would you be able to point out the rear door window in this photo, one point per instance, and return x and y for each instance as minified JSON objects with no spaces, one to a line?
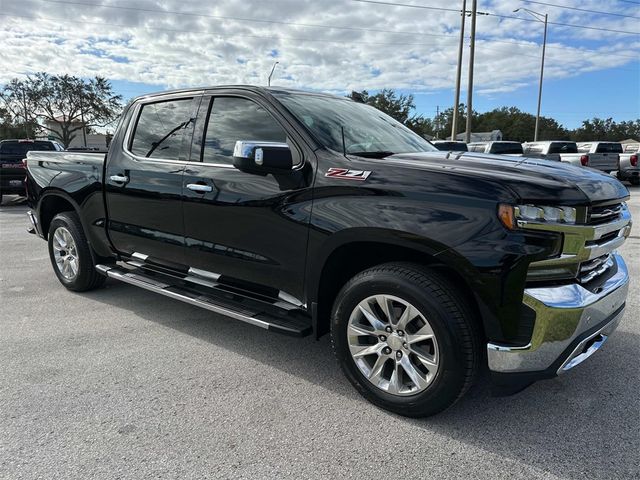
{"x":161,"y":129}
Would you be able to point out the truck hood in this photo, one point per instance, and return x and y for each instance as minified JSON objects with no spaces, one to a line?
{"x":531,"y":179}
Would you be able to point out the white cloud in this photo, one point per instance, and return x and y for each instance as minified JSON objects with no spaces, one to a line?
{"x":171,"y":50}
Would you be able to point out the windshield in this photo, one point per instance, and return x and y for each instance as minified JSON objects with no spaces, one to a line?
{"x":563,"y":147}
{"x":367,"y":131}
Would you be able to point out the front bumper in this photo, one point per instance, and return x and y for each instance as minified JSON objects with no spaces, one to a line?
{"x":571,"y":324}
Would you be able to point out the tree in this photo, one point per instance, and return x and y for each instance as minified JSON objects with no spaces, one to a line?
{"x":518,"y":125}
{"x":606,"y":129}
{"x":15,"y":128}
{"x":398,"y":106}
{"x":62,"y":105}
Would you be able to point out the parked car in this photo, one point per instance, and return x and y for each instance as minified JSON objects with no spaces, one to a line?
{"x":628,"y":168}
{"x":558,"y":150}
{"x":602,"y":155}
{"x":305,"y":213}
{"x":449,"y":146}
{"x":502,"y":147}
{"x":12,"y":173}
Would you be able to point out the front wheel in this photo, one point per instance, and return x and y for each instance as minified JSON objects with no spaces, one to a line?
{"x":405,"y":339}
{"x":70,"y":254}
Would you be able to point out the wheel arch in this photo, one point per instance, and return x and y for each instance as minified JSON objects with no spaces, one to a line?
{"x":51,"y":204}
{"x":343,"y":259}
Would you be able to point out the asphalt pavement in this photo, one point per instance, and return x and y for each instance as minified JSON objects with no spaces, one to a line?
{"x":124,"y":383}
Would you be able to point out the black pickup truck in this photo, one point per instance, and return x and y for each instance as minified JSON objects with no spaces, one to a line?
{"x":305,"y":213}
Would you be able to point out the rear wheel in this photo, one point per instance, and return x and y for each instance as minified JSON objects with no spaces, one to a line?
{"x":405,"y":339}
{"x":70,"y":254}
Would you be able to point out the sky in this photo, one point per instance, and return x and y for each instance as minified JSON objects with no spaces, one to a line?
{"x":338,"y":46}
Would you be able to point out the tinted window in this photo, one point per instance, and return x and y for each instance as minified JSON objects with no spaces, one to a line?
{"x":506,"y":148}
{"x":160,"y":129}
{"x":451,"y":146}
{"x":232,"y":119}
{"x":338,"y":123}
{"x":609,"y":148}
{"x":563,"y":147}
{"x":21,"y":148}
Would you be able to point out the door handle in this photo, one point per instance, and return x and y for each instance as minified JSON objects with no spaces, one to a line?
{"x":119,"y":178}
{"x":197,"y":187}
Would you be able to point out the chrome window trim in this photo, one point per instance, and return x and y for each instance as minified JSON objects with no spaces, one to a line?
{"x":134,"y":120}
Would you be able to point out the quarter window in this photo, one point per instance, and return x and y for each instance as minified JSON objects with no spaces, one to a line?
{"x":232,"y":119}
{"x":160,"y":129}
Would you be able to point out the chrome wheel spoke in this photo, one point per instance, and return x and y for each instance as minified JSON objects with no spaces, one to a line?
{"x":376,"y":371}
{"x":409,"y":314}
{"x":360,"y":330}
{"x":359,"y":351}
{"x":394,"y":382}
{"x":371,"y":317}
{"x":425,"y":333}
{"x":416,"y":376}
{"x":429,"y":361}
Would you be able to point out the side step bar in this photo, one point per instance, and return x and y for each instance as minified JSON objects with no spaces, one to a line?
{"x":294,"y":323}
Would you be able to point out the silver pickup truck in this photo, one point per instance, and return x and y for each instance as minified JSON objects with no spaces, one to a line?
{"x":502,"y":147}
{"x":628,"y":167}
{"x":558,"y":150}
{"x":602,"y":155}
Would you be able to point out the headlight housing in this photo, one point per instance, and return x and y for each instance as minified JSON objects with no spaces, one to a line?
{"x":511,"y":215}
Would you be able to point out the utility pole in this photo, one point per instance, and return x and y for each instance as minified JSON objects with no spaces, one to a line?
{"x":456,"y":102}
{"x":472,"y":52}
{"x":538,"y":16}
{"x":26,"y":122}
{"x":272,"y":69}
{"x":84,"y":127}
{"x":437,"y":122}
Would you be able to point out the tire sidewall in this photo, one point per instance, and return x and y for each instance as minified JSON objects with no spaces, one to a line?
{"x":445,"y":387}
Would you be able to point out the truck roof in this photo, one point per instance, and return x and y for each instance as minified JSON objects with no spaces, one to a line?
{"x":253,"y":88}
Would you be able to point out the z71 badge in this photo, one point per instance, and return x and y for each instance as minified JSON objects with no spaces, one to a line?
{"x":346,"y":174}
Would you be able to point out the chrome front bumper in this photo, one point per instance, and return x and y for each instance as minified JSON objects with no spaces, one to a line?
{"x":571,"y":324}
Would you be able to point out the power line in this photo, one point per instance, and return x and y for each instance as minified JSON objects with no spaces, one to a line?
{"x":312,"y":25}
{"x":567,"y":7}
{"x":560,"y":24}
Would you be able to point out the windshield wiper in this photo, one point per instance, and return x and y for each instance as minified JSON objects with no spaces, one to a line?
{"x":372,"y":154}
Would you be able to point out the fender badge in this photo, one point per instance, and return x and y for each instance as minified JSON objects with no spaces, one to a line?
{"x":346,"y":174}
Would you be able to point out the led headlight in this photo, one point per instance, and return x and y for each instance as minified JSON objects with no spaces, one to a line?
{"x":510,"y":215}
{"x":534,"y":213}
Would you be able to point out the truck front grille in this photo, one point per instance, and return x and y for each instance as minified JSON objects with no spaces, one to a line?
{"x":592,"y":269}
{"x":604,"y":213}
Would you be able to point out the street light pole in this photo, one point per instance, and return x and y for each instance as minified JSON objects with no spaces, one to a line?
{"x":454,"y":122}
{"x":472,"y":52}
{"x":272,"y":69}
{"x":538,"y":16}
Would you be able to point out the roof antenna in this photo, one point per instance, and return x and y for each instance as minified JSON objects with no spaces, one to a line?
{"x":344,"y":145}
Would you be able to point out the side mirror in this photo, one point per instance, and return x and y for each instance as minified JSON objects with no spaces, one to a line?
{"x":262,"y":158}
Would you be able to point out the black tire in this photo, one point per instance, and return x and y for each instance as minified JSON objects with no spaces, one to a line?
{"x":453,"y":322}
{"x":635,"y":181}
{"x":86,"y":278}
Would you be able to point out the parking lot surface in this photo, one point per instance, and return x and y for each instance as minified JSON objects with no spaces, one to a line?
{"x":124,"y":383}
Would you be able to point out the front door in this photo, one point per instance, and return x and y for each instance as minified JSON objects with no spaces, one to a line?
{"x":251,"y":229}
{"x":144,"y":179}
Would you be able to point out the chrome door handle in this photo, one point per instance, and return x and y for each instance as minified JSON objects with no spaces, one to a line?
{"x":119,"y":178}
{"x":196,"y":187}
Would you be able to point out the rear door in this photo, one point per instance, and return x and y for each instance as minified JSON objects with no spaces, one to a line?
{"x":250,"y":229}
{"x":143,"y":180}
